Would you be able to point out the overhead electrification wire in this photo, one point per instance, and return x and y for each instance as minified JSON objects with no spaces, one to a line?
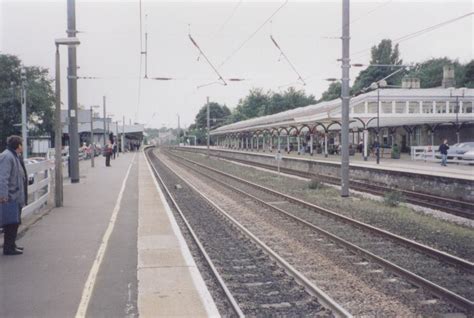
{"x":251,"y":35}
{"x":287,"y":59}
{"x":229,"y":18}
{"x":420,"y":32}
{"x":201,"y":53}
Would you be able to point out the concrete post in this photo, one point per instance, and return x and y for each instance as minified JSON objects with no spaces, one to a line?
{"x":366,"y":141}
{"x":311,"y":144}
{"x":325,"y":145}
{"x":288,"y":143}
{"x":279,"y":148}
{"x":299,"y":147}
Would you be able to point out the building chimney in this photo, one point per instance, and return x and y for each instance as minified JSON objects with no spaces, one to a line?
{"x":410,"y":82}
{"x":448,"y":76}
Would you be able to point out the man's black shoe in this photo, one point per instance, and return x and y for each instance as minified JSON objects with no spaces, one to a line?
{"x":21,"y":248}
{"x":12,"y":252}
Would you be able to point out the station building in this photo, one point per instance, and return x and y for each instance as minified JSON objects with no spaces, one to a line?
{"x":407,"y":116}
{"x":112,"y":130}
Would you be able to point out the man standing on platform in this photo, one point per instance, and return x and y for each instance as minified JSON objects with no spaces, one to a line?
{"x":443,"y":149}
{"x":13,"y":189}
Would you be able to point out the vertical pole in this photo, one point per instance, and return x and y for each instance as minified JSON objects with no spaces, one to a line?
{"x":117,"y":139}
{"x":208,"y":126}
{"x":299,"y":146}
{"x":92,"y":146}
{"x":24,"y":133}
{"x":326,"y":144}
{"x":366,"y":140}
{"x":105,"y":121}
{"x":288,"y":143}
{"x":311,"y":144}
{"x":58,"y":164}
{"x":378,"y":126}
{"x":279,"y":143}
{"x":345,"y":99}
{"x":179,"y":131}
{"x":457,"y":119}
{"x":123,"y":134}
{"x":72,"y":92}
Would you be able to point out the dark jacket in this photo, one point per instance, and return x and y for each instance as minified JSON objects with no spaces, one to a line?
{"x":443,"y":149}
{"x":13,"y":178}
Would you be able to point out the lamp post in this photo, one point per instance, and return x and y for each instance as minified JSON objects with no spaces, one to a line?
{"x":58,"y":181}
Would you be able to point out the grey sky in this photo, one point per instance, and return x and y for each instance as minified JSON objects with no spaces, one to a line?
{"x":110,"y":46}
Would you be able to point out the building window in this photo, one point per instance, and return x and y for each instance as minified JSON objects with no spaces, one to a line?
{"x":453,"y":107}
{"x":467,"y":107}
{"x":427,"y":107}
{"x":440,"y":107}
{"x":386,"y":107}
{"x":372,"y":107}
{"x":414,"y":107}
{"x":359,"y":109}
{"x":400,"y":107}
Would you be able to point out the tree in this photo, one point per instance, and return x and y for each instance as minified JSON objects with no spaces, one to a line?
{"x":333,"y":92}
{"x":257,"y":103}
{"x":381,"y":54}
{"x":219,"y":114}
{"x":430,"y":72}
{"x":39,"y":99}
{"x":468,"y":80}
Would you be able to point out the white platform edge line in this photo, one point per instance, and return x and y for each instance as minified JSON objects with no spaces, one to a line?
{"x":196,"y":276}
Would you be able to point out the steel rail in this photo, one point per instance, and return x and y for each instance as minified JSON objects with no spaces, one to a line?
{"x":454,"y":260}
{"x":423,"y":199}
{"x":417,"y":280}
{"x":313,"y":290}
{"x":230,"y":297}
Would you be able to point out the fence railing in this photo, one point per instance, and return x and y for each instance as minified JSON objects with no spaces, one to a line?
{"x":40,"y":174}
{"x":425,"y":153}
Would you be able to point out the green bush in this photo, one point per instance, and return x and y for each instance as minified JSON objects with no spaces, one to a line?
{"x":395,"y":152}
{"x":393,"y":198}
{"x":315,"y":184}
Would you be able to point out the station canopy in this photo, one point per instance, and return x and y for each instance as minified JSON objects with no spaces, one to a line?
{"x":397,"y":107}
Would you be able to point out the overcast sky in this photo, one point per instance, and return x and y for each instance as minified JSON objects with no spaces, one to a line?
{"x":110,"y":46}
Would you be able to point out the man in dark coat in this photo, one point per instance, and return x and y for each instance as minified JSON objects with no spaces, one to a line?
{"x":443,"y":149}
{"x":13,"y":188}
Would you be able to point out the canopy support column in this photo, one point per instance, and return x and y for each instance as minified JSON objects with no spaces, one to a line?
{"x":311,"y":144}
{"x":299,"y":147}
{"x":366,"y":139}
{"x":325,"y":145}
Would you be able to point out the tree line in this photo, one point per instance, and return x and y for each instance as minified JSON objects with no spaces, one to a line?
{"x":39,"y":99}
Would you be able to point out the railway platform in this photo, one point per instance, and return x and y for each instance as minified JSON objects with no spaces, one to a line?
{"x":113,"y":250}
{"x":457,"y":170}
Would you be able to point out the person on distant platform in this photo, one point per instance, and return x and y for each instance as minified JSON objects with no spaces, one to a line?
{"x":108,"y":153}
{"x":443,"y":149}
{"x":13,"y":189}
{"x":114,"y":149}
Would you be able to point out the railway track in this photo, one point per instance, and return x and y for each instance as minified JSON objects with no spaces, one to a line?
{"x":256,"y":281}
{"x":451,"y":206}
{"x":445,"y":276}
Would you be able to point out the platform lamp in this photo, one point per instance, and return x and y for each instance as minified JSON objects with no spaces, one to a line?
{"x":58,"y":185}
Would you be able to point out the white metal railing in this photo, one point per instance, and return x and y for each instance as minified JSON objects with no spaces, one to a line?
{"x":424,"y":153}
{"x":40,"y":188}
{"x":431,"y":153}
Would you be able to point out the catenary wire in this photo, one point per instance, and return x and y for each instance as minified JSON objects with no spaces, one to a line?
{"x":418,"y":33}
{"x":251,"y":35}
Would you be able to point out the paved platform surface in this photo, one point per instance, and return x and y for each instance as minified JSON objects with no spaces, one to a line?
{"x":405,"y":164}
{"x":92,"y":257}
